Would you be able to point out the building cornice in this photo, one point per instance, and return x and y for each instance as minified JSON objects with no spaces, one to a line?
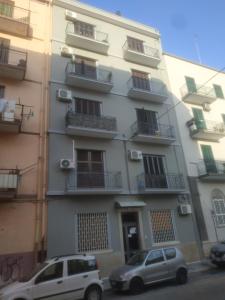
{"x":107,"y":17}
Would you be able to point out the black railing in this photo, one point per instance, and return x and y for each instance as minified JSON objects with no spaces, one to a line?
{"x":162,"y":181}
{"x":91,"y":121}
{"x":151,"y":129}
{"x":15,"y":13}
{"x":13,"y":57}
{"x":211,"y":167}
{"x":206,"y":126}
{"x":142,"y":49}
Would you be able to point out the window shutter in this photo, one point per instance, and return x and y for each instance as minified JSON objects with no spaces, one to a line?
{"x":191,"y":85}
{"x":199,"y":118}
{"x":218,"y":91}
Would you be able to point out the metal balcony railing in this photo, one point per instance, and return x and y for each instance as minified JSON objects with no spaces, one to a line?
{"x":15,"y":13}
{"x":206,"y":126}
{"x":146,"y":50}
{"x":211,"y":167}
{"x":93,"y":180}
{"x":8,"y":179}
{"x":200,"y":90}
{"x":89,"y":72}
{"x":167,"y":181}
{"x":148,"y":85}
{"x":159,"y":130}
{"x":77,"y":29}
{"x":13,"y":57}
{"x":91,"y":121}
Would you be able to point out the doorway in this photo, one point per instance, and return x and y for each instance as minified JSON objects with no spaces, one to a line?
{"x":131,"y":234}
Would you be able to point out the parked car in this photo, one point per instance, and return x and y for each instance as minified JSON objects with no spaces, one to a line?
{"x":63,"y":277}
{"x":150,"y":266}
{"x":217,"y":254}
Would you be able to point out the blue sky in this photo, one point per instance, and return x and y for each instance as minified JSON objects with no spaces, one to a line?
{"x":181,"y":24}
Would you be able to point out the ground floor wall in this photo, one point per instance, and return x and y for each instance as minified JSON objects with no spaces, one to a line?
{"x":105,"y":226}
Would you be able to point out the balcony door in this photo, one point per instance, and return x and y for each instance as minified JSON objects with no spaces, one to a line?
{"x":87,"y":107}
{"x":208,"y":158}
{"x":85,"y":67}
{"x":155,"y":176}
{"x":84,"y":29}
{"x":6,"y":8}
{"x":4,"y":50}
{"x":199,"y":118}
{"x":135,"y":44}
{"x":140,"y":80}
{"x":147,"y":121}
{"x":191,"y":85}
{"x":90,"y":169}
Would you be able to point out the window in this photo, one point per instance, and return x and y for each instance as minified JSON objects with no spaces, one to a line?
{"x":155,"y":176}
{"x":223,"y":117}
{"x":76,"y":266}
{"x":162,"y":225}
{"x":4,"y":50}
{"x":85,"y":67}
{"x":191,"y":85}
{"x":92,"y":231}
{"x":84,"y":29}
{"x":199,"y":118}
{"x":218,"y":91}
{"x":219,"y":209}
{"x":154,"y":257}
{"x":87,"y":107}
{"x":147,"y":122}
{"x":90,"y":169}
{"x":135,"y":44}
{"x":170,"y":253}
{"x":6,"y":8}
{"x":140,"y":80}
{"x":52,"y":272}
{"x":2,"y":91}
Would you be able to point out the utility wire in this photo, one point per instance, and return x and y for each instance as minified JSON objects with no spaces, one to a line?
{"x":180,"y":101}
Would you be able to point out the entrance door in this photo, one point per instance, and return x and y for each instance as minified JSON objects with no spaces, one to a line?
{"x":208,"y":157}
{"x":130,"y":234}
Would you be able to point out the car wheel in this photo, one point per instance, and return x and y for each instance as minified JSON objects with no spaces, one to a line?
{"x":136,"y":285}
{"x":182,"y":276}
{"x":93,"y":293}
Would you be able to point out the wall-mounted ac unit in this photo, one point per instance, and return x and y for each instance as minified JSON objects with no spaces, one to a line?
{"x":67,"y":51}
{"x":70,"y":15}
{"x":67,"y":164}
{"x":135,"y":155}
{"x":206,"y":106}
{"x":184,"y":209}
{"x":64,"y":95}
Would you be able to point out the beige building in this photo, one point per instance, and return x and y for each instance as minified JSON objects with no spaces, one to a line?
{"x":198,"y":95}
{"x":24,"y":55}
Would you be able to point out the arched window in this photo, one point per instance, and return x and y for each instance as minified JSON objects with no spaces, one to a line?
{"x":218,"y":202}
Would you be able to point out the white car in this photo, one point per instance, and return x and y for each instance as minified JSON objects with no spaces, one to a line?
{"x":60,"y":278}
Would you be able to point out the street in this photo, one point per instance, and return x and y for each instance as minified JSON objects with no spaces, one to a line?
{"x":206,"y":285}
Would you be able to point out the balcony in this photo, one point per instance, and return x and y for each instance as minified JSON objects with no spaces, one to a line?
{"x":97,"y":79}
{"x":161,"y":184}
{"x":211,"y":170}
{"x":10,"y":120}
{"x":206,"y":130}
{"x":199,"y":95}
{"x":8,"y":183}
{"x":14,"y":20}
{"x":87,"y":183}
{"x":13,"y":63}
{"x":93,"y":41}
{"x":147,"y":90}
{"x":90,"y":125}
{"x":152,"y":133}
{"x":144,"y":56}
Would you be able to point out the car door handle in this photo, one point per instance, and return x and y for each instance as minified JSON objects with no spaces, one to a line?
{"x":59,"y":282}
{"x":85,"y":276}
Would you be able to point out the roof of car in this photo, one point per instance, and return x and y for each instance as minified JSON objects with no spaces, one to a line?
{"x":70,"y":256}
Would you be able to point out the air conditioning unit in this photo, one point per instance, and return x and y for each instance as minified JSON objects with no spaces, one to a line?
{"x":66,"y":51}
{"x":135,"y":155}
{"x":70,"y":15}
{"x":206,"y":106}
{"x":64,"y":95}
{"x":67,"y":164}
{"x":184,"y":209}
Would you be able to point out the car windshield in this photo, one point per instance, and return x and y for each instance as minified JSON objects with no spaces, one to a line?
{"x":137,"y":259}
{"x":34,"y":272}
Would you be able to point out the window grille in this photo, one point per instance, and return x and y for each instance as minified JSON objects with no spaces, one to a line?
{"x":162,"y":225}
{"x":92,"y":231}
{"x":219,"y":208}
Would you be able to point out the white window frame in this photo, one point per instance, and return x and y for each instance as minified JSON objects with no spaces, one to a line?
{"x":217,"y":214}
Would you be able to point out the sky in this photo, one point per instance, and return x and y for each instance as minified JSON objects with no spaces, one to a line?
{"x":192,"y":29}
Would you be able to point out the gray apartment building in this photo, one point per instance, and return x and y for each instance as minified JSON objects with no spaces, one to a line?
{"x":117,"y":179}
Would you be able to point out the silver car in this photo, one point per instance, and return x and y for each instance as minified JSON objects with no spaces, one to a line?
{"x":150,"y":266}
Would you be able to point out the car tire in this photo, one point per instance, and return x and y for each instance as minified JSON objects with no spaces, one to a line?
{"x":93,"y":293}
{"x":136,"y":286}
{"x":181,"y":276}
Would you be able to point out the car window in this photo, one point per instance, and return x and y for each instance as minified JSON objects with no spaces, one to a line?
{"x":154,"y":257}
{"x":170,"y":253}
{"x":137,"y":259}
{"x":52,"y":272}
{"x":76,"y":266}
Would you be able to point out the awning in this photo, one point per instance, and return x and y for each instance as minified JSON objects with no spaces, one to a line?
{"x":123,"y":204}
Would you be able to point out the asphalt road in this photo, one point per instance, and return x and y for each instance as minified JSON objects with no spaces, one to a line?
{"x":208,"y":285}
